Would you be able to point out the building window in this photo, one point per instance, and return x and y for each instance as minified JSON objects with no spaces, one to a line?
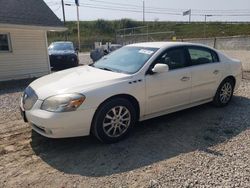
{"x":5,"y":45}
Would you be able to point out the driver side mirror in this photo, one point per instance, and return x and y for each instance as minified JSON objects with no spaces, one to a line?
{"x":160,"y":68}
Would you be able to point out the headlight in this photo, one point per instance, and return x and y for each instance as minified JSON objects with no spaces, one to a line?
{"x":29,"y":98}
{"x":63,"y":102}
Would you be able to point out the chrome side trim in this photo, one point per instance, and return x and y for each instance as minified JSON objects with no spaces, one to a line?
{"x":203,"y":84}
{"x":175,"y":109}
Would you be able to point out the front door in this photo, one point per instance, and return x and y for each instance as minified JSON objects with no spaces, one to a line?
{"x":169,"y":89}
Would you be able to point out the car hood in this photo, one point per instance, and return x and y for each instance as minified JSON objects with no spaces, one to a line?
{"x":61,"y":52}
{"x":79,"y":79}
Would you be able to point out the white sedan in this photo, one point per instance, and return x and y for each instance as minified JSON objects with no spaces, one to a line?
{"x":135,"y":83}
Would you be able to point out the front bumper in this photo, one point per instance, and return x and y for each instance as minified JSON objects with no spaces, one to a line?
{"x":60,"y":125}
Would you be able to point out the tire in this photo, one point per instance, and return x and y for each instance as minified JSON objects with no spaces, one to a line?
{"x":113,"y":120}
{"x":224,"y":93}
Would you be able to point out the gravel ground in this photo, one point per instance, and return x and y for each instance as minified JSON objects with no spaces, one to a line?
{"x":199,"y":147}
{"x":84,"y":58}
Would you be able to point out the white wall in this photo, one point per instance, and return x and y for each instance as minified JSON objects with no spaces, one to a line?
{"x":29,"y":56}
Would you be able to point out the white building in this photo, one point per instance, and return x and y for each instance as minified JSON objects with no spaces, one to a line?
{"x":23,"y":38}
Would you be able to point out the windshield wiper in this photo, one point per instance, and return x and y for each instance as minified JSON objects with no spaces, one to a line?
{"x":107,"y":69}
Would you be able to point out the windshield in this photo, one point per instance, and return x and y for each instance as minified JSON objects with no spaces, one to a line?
{"x":61,"y":46}
{"x":126,"y":60}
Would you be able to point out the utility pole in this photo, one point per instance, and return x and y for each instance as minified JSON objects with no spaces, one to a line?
{"x":190,"y":16}
{"x":78,"y":24}
{"x":78,"y":27}
{"x":63,"y":12}
{"x":205,"y":26}
{"x":64,"y":21}
{"x":205,"y":23}
{"x":143,"y":10}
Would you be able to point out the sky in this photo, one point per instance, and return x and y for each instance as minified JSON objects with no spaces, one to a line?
{"x":161,"y":10}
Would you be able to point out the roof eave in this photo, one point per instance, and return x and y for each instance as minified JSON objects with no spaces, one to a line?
{"x":34,"y":27}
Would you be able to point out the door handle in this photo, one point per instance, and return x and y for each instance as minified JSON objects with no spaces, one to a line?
{"x":185,"y":78}
{"x":216,"y":71}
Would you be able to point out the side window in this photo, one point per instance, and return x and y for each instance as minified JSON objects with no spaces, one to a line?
{"x":201,"y":56}
{"x":5,"y":43}
{"x":174,"y":58}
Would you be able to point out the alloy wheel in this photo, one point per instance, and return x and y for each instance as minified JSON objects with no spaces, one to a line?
{"x":226,"y":92}
{"x":116,"y":121}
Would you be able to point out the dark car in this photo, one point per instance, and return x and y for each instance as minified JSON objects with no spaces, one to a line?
{"x":62,"y":56}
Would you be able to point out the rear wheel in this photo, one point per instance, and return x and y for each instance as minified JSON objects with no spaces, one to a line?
{"x":224,"y":93}
{"x":113,"y":120}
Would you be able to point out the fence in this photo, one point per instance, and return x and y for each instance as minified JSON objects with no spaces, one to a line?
{"x":224,"y":43}
{"x":141,"y":34}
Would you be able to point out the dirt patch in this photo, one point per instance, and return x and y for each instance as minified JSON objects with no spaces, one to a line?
{"x":246,"y":75}
{"x":84,"y":59}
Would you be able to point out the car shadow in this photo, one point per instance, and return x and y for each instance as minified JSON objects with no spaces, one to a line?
{"x":151,"y":141}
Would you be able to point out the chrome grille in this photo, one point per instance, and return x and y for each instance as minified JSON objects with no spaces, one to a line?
{"x":29,"y":98}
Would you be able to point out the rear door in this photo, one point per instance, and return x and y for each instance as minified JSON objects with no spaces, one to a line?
{"x":206,"y":73}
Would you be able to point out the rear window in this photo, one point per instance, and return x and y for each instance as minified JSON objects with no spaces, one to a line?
{"x":201,"y":56}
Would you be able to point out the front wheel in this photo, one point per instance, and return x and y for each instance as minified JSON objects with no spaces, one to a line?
{"x":224,"y":93}
{"x":113,"y":120}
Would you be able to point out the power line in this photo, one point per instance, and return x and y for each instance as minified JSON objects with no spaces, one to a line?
{"x":115,"y":8}
{"x":136,"y":10}
{"x":224,"y":11}
{"x":123,"y":4}
{"x":134,"y":6}
{"x":172,"y":9}
{"x":221,"y":15}
{"x":57,"y":8}
{"x":51,"y":3}
{"x":126,"y":5}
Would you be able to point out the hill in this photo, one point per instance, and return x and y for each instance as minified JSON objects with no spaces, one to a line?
{"x":105,"y":31}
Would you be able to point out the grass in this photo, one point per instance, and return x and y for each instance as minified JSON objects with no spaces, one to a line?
{"x":105,"y":31}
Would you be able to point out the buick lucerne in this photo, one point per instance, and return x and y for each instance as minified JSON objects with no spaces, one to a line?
{"x":134,"y":83}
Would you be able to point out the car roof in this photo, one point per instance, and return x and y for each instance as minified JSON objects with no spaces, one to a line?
{"x":163,"y":44}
